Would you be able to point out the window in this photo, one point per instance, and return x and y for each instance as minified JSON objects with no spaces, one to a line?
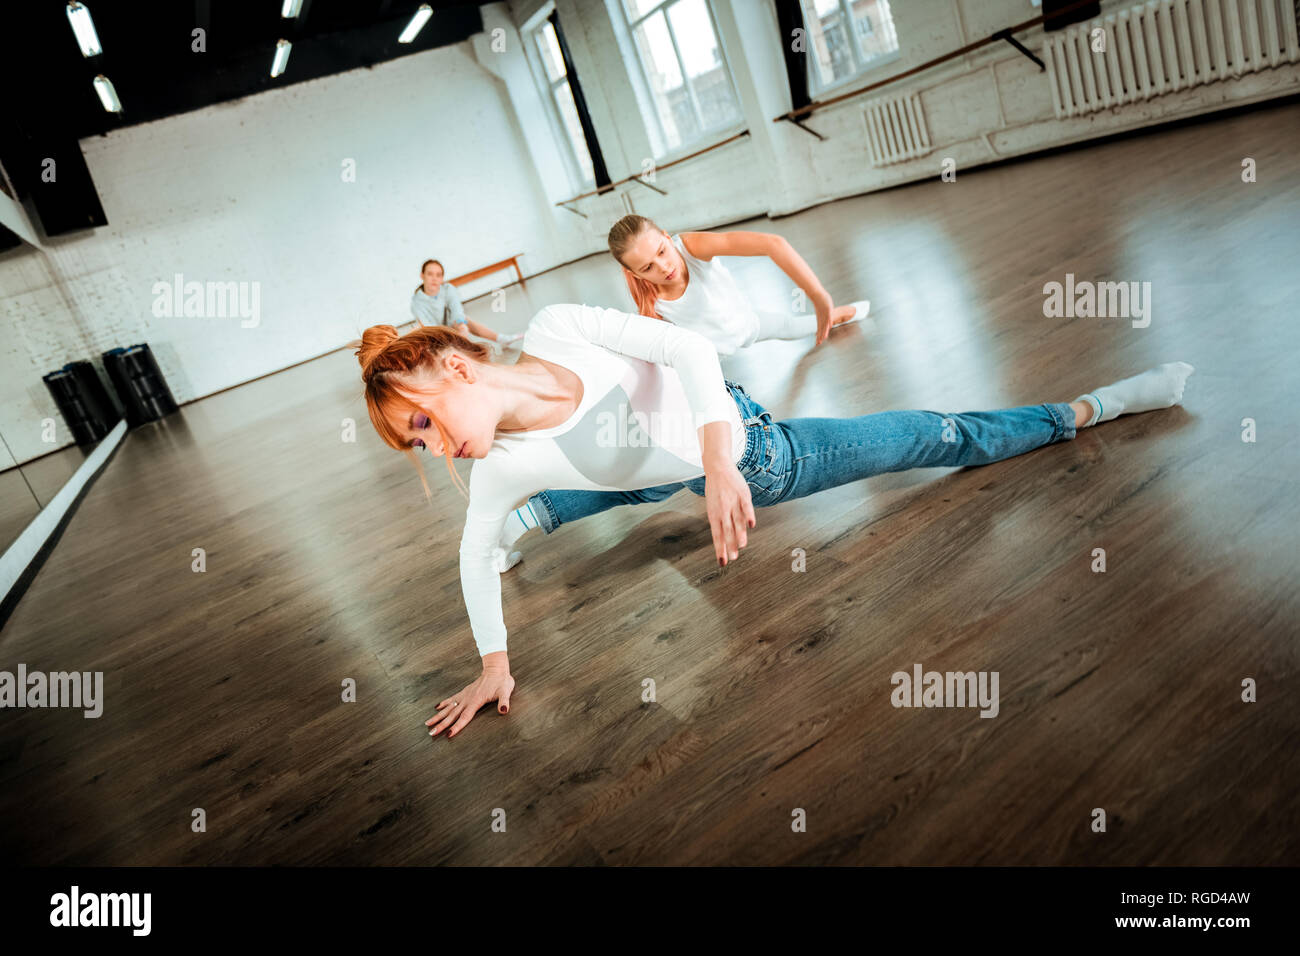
{"x":564,"y":113}
{"x":684,"y":71}
{"x":846,"y":38}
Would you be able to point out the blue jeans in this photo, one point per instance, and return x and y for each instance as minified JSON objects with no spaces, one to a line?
{"x":801,"y":456}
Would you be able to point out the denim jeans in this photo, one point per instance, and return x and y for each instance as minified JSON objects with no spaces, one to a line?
{"x":801,"y":456}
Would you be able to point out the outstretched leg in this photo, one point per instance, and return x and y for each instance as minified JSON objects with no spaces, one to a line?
{"x":812,"y":454}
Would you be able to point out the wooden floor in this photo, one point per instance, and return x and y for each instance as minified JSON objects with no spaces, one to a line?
{"x":1119,"y":691}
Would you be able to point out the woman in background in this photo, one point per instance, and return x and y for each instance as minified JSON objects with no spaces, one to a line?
{"x":436,"y":302}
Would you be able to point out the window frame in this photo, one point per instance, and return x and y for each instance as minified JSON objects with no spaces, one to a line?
{"x":860,"y":68}
{"x":546,"y":87}
{"x":705,"y":133}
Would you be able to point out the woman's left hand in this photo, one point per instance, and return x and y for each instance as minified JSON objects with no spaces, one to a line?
{"x":731,"y":510}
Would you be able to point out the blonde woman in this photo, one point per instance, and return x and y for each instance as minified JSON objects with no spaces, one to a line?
{"x":679,"y":278}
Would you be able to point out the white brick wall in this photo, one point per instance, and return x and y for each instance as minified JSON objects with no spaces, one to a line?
{"x":252,"y":191}
{"x":995,"y":92}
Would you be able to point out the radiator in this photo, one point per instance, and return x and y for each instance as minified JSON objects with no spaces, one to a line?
{"x":1163,"y":46}
{"x":895,"y":129}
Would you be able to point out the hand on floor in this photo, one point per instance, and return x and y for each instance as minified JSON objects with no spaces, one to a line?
{"x":493,"y":684}
{"x":853,"y":312}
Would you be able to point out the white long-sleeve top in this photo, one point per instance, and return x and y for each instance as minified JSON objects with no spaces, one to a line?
{"x":648,"y":385}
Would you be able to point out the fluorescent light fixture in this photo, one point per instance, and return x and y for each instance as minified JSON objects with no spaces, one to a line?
{"x":107,"y":95}
{"x":417,"y":23}
{"x":290,"y":9}
{"x":84,"y":28}
{"x":282,"y":48}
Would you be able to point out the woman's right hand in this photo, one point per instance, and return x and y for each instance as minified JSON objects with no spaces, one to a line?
{"x":731,"y":510}
{"x":495,"y":683}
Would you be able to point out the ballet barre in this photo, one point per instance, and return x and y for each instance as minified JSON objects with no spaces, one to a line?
{"x":797,"y":116}
{"x":510,"y":263}
{"x":636,"y":177}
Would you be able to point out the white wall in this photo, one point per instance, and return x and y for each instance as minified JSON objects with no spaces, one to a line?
{"x":252,"y":191}
{"x":985,"y":106}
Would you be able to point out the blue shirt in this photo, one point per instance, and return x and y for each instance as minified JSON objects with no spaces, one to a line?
{"x":441,"y":309}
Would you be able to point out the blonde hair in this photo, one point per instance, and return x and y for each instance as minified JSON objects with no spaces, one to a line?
{"x":621,"y":235}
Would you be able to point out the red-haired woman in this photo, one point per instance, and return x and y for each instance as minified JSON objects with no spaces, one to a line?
{"x":603,"y":401}
{"x":435,"y":302}
{"x":679,"y":278}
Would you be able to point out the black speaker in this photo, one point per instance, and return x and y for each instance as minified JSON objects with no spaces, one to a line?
{"x":83,"y":401}
{"x":1054,"y":19}
{"x":139,"y":383}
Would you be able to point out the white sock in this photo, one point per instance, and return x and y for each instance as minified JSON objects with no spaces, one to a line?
{"x":503,"y":559}
{"x":522,"y":519}
{"x":1159,"y":387}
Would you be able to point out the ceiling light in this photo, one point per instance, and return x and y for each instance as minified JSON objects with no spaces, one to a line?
{"x":282,"y":48}
{"x":290,"y":9}
{"x":84,"y":28}
{"x":107,"y":95}
{"x":417,"y":23}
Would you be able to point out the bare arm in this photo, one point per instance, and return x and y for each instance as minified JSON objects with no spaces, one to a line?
{"x":457,"y":320}
{"x":706,"y":245}
{"x":481,"y":330}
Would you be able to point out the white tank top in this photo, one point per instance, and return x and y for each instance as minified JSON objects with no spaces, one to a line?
{"x":712,"y":304}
